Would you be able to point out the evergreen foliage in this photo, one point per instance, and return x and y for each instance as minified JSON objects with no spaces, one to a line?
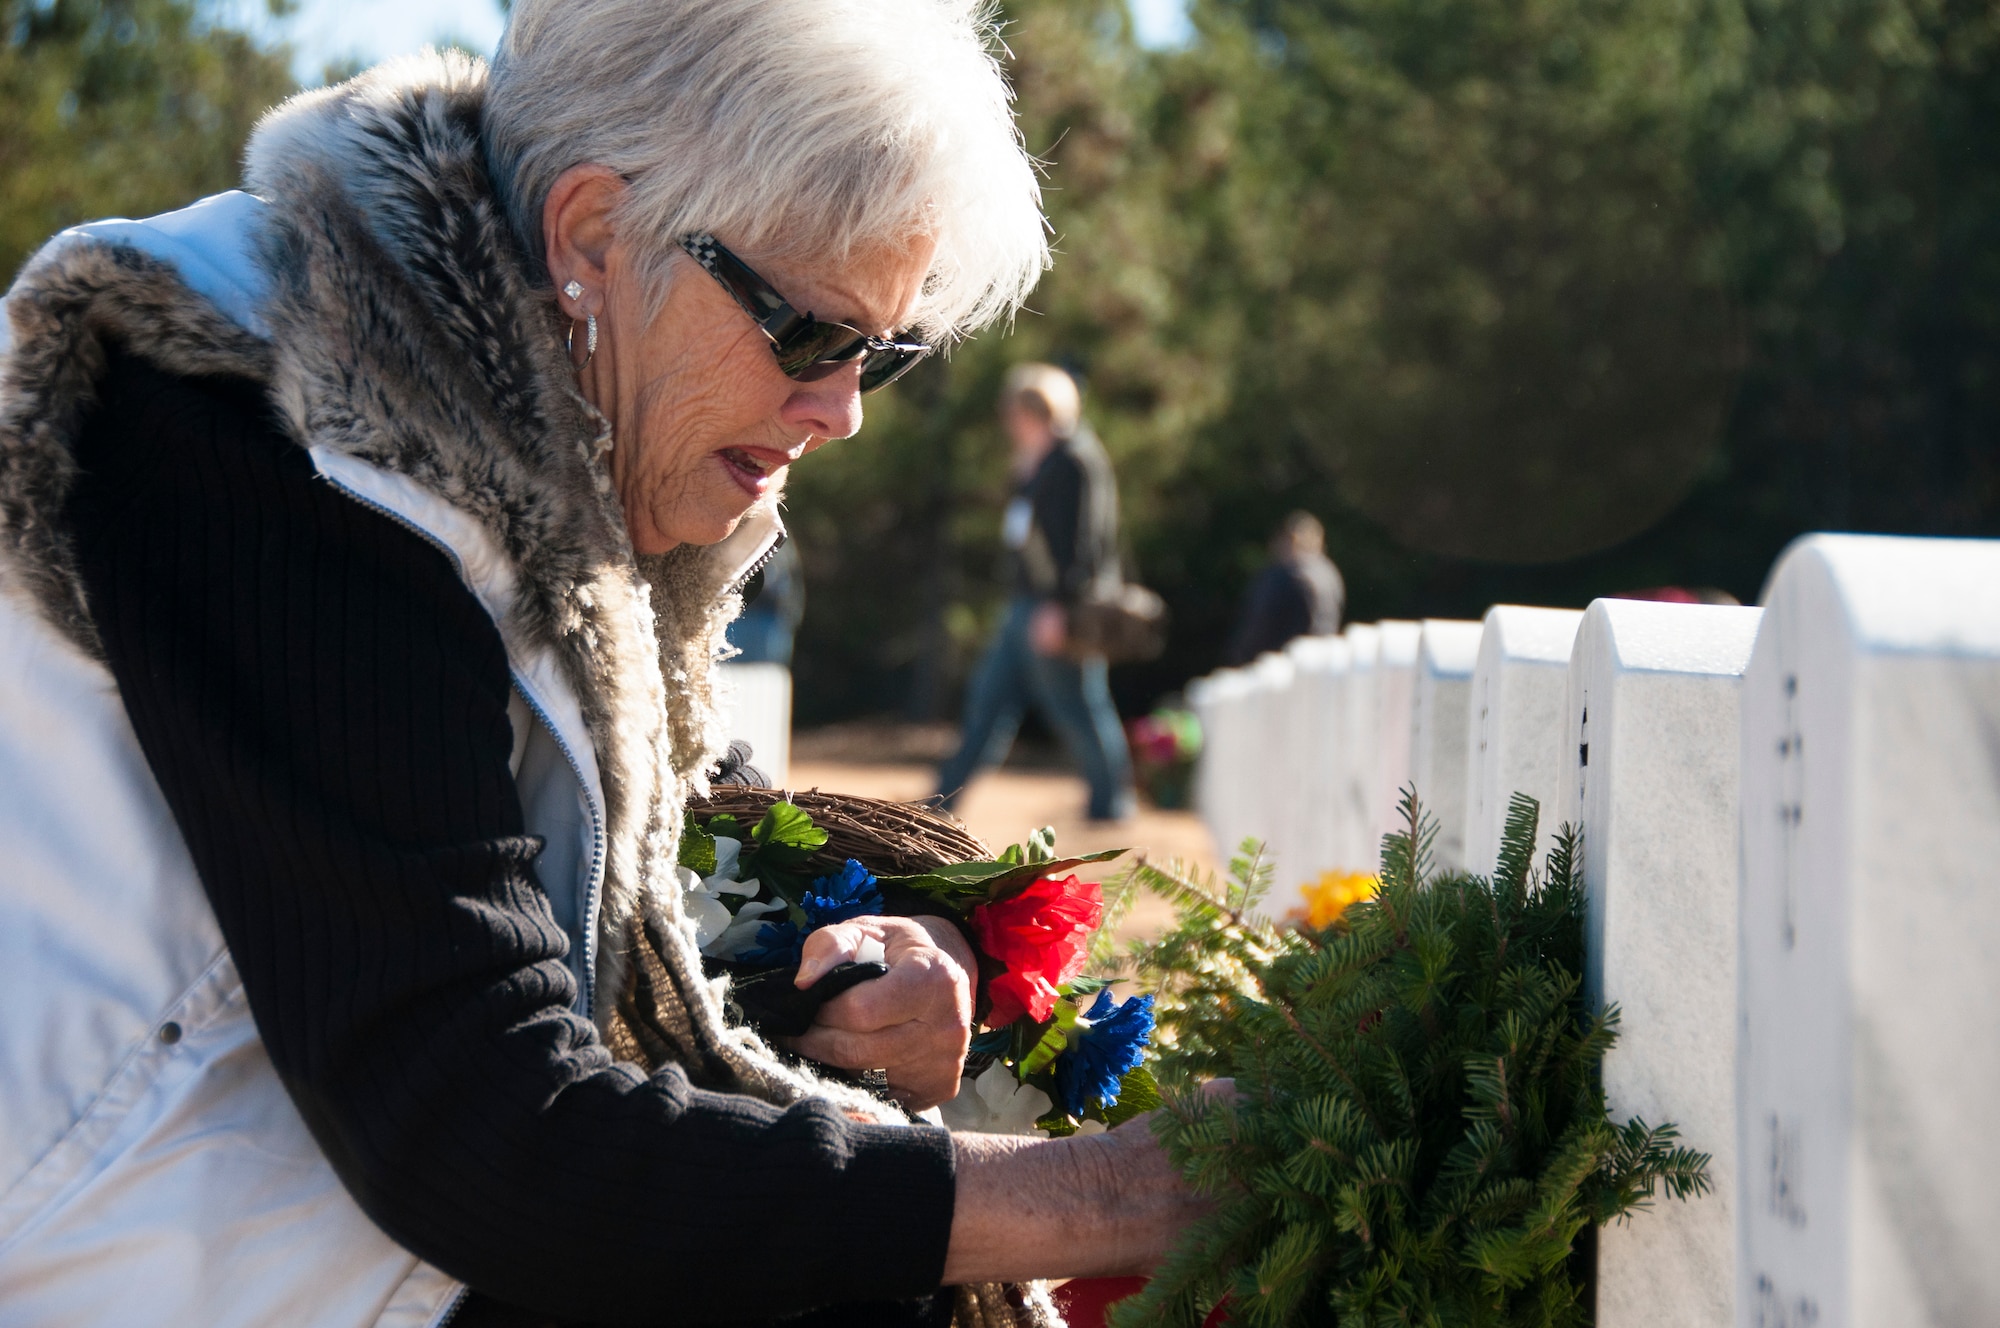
{"x":1681,"y":279}
{"x":1206,"y":964}
{"x":1421,"y":1134}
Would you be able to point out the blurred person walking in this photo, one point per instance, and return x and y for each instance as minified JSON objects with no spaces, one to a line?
{"x":1298,"y":593}
{"x":1061,"y":534}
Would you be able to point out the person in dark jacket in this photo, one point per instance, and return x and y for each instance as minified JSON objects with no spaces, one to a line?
{"x":1298,"y":593}
{"x":1061,"y":534}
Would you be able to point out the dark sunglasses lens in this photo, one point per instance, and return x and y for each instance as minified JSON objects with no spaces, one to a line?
{"x":819,"y":349}
{"x":884,"y":367}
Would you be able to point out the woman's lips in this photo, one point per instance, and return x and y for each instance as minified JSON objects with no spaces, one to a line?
{"x":754,"y":469}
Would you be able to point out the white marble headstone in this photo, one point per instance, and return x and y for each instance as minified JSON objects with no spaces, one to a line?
{"x":1440,"y":734}
{"x":1395,"y":697}
{"x":1649,"y":773}
{"x":1274,"y":751}
{"x":1869,"y":1060}
{"x":1320,"y":664}
{"x":1516,"y":720}
{"x":756,"y":705}
{"x":1220,"y":701}
{"x":1358,"y":850}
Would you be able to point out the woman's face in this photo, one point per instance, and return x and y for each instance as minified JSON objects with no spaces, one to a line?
{"x":703,"y":423}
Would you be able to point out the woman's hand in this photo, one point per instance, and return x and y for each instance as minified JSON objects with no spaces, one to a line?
{"x":914,"y":1022}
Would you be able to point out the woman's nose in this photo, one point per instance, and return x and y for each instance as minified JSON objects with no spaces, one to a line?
{"x":829,"y":407}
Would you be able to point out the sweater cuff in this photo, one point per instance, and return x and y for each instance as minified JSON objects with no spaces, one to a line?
{"x":904,"y":1189}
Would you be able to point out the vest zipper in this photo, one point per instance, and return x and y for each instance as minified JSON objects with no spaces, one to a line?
{"x":458,"y":1300}
{"x":597,"y":846}
{"x":762,"y":561}
{"x":597,"y":831}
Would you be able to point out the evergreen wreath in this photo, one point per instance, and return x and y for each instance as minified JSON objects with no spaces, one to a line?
{"x":1421,"y":1135}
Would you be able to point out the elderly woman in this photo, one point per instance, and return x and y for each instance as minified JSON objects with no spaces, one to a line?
{"x":368,"y":537}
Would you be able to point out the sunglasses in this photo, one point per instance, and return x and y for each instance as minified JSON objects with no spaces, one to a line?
{"x":807,"y":348}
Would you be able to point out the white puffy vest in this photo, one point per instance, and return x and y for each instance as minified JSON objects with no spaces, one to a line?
{"x":152,"y":1168}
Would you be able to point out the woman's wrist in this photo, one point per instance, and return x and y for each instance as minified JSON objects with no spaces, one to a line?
{"x":1085,"y":1206}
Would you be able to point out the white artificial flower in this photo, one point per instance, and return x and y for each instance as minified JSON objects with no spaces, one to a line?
{"x":997,"y":1103}
{"x":741,"y":934}
{"x":719,"y":884}
{"x":709,"y":915}
{"x":718,"y":933}
{"x":728,"y":857}
{"x":1091,"y":1127}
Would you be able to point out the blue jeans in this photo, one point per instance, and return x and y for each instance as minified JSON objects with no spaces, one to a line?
{"x":1074,"y":698}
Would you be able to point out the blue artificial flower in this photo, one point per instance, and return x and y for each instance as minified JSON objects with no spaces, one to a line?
{"x":848,"y":893}
{"x":1110,"y":1042}
{"x":778,"y":944}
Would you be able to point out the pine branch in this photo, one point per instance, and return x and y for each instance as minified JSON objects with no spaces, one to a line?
{"x":1517,"y":852}
{"x":1422,"y":1130}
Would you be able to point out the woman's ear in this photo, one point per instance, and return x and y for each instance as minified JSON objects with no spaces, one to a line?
{"x":577,"y":228}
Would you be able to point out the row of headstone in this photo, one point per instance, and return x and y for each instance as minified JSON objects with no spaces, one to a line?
{"x":1308,"y":750}
{"x":1791,"y":830}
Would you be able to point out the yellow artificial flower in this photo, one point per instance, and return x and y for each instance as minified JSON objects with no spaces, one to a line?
{"x":1333,"y":893}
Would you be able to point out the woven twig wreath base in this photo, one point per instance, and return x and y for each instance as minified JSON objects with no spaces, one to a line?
{"x":888,"y":838}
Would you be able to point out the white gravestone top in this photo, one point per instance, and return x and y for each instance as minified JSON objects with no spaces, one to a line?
{"x":1516,"y":721}
{"x":1650,"y":775}
{"x":1395,"y":697}
{"x":1440,"y":735}
{"x":1869,"y":1054}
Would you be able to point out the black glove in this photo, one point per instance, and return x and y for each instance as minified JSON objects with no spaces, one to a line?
{"x":735,"y":768}
{"x":770,"y":1003}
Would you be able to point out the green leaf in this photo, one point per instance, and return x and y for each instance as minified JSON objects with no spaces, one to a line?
{"x":997,"y":1042}
{"x":1137,"y":1095}
{"x":967,"y":884}
{"x":697,"y":850}
{"x":786,"y":826}
{"x":1058,"y":1124}
{"x":724,"y":825}
{"x":1053,"y":1042}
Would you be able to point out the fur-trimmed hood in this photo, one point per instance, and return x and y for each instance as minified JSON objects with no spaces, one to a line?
{"x":399,"y":323}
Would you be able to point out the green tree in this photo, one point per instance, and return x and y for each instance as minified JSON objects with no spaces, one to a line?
{"x":120,"y":108}
{"x":1530,"y":299}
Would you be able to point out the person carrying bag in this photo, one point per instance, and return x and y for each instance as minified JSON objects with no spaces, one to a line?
{"x":1070,"y":612}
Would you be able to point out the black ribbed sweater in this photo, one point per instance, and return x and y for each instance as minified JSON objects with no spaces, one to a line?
{"x":324,"y":705}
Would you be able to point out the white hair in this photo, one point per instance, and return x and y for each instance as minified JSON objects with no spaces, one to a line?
{"x":807,"y":130}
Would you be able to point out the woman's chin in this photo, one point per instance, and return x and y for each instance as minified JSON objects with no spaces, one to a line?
{"x":711,"y":526}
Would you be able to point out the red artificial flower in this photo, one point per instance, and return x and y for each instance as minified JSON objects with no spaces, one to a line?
{"x":1042,"y":935}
